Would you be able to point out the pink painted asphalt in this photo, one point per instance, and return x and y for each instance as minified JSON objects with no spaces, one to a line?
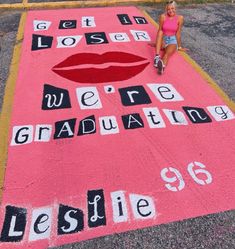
{"x":70,"y":176}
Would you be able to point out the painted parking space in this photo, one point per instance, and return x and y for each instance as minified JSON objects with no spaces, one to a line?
{"x":113,"y":146}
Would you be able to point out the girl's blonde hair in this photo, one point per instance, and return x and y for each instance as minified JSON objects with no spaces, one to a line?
{"x":171,"y":2}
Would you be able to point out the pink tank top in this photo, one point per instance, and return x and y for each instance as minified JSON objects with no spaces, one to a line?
{"x":170,"y":26}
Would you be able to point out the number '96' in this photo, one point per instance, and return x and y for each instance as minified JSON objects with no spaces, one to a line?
{"x":175,"y":181}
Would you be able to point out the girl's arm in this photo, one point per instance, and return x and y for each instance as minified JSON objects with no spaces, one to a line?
{"x":178,"y":33}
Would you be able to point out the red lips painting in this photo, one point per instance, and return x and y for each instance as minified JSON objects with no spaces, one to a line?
{"x":100,"y":68}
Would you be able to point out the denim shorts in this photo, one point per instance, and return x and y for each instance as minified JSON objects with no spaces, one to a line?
{"x":169,"y":40}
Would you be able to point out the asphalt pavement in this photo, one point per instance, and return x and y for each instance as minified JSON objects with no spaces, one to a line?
{"x":209,"y":35}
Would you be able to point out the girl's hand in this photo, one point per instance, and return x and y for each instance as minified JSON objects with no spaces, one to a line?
{"x":183,"y":49}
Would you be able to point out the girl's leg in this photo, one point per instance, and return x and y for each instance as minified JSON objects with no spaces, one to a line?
{"x":158,"y":47}
{"x":159,"y":42}
{"x":169,"y":51}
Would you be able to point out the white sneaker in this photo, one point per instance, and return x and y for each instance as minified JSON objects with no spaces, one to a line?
{"x":156,"y":60}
